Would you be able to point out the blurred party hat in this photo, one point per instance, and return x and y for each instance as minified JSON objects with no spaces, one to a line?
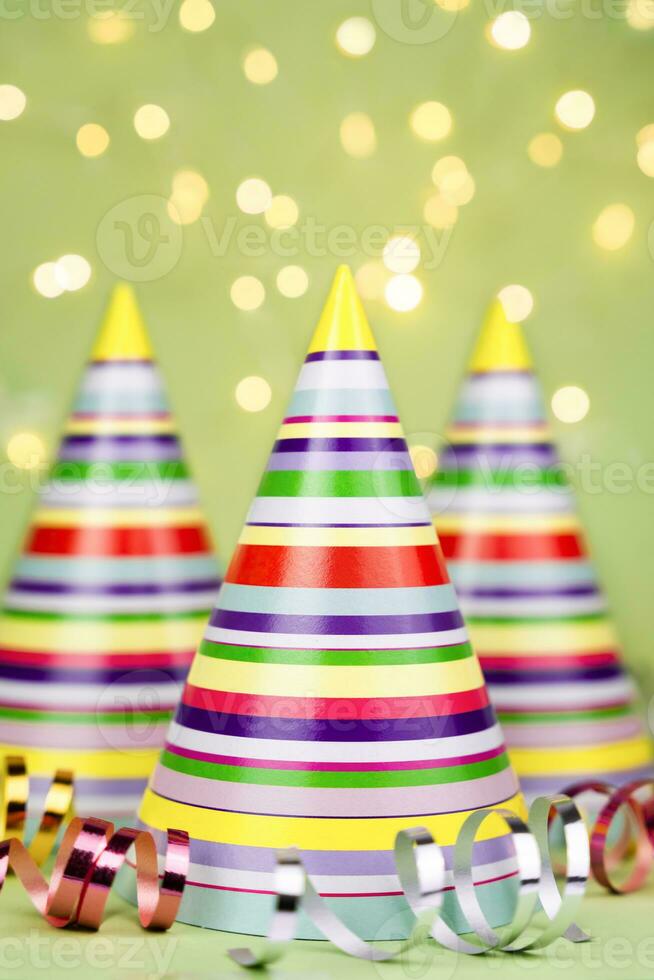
{"x":110,"y":595}
{"x":514,"y":547}
{"x":335,"y":698}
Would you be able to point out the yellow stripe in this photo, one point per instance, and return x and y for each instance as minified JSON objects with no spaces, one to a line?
{"x":501,"y":345}
{"x":117,"y":517}
{"x":610,"y":757}
{"x":115,"y":426}
{"x":518,"y":524}
{"x":336,"y":682}
{"x":539,"y":638}
{"x":339,"y":536}
{"x":327,"y":834}
{"x":484,"y":435}
{"x":104,"y":764}
{"x":291,"y":430}
{"x":78,"y":636}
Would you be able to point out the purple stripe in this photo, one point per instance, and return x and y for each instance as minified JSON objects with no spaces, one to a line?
{"x":502,"y":373}
{"x":95,"y":735}
{"x":340,"y":444}
{"x":342,"y":355}
{"x":340,"y":461}
{"x":334,"y":730}
{"x":278,"y":524}
{"x":100,"y":365}
{"x":339,"y":625}
{"x":60,"y":588}
{"x":497,"y":455}
{"x":103,"y":448}
{"x":63,"y":675}
{"x":554,"y":676}
{"x":527,"y":593}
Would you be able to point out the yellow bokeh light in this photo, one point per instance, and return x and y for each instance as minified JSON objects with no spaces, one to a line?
{"x":517,"y":302}
{"x":640,"y":14}
{"x":260,"y":66}
{"x":431,"y":121}
{"x":401,"y":254}
{"x":356,"y":36}
{"x":403,"y":293}
{"x":510,"y":31}
{"x":646,"y":158}
{"x":575,"y":110}
{"x":424,"y":461}
{"x":253,"y":393}
{"x":614,"y":227}
{"x":545,"y":149}
{"x":110,"y":27}
{"x":26,"y":450}
{"x":46,"y":281}
{"x":452,"y":6}
{"x":184,"y":209}
{"x":455,"y":184}
{"x":358,"y":137}
{"x":570,"y":404}
{"x":92,"y":140}
{"x":292,"y":281}
{"x":12,"y":102}
{"x":283,"y":212}
{"x":247,"y":293}
{"x":371,"y":278}
{"x":645,"y":135}
{"x":72,"y":272}
{"x":190,"y":192}
{"x":151,"y":122}
{"x":192,"y":183}
{"x":196,"y":15}
{"x":439,"y":213}
{"x":253,"y":196}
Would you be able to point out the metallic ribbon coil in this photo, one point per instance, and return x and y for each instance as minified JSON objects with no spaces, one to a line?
{"x":89,"y":858}
{"x":421,"y":870}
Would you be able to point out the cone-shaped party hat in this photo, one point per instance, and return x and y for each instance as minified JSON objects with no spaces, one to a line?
{"x":112,"y":590}
{"x":335,"y":698}
{"x":513,"y":544}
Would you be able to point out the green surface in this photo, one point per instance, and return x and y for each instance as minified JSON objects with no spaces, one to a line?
{"x":622,"y":946}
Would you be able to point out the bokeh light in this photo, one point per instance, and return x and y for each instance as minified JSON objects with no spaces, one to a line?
{"x":358,"y":137}
{"x":247,"y":293}
{"x":511,"y":30}
{"x":575,"y":110}
{"x":452,"y":6}
{"x":545,"y":150}
{"x":26,"y":450}
{"x":196,"y":15}
{"x":517,"y":302}
{"x":431,"y":121}
{"x":614,"y":227}
{"x":639,"y":14}
{"x":92,"y":140}
{"x":253,"y":196}
{"x":110,"y":27}
{"x":424,"y":461}
{"x":12,"y":102}
{"x":401,"y":254}
{"x":570,"y":404}
{"x":46,"y":281}
{"x":283,"y":212}
{"x":151,"y":122}
{"x":356,"y":36}
{"x":72,"y":272}
{"x":253,"y":393}
{"x":260,"y":66}
{"x":439,"y":213}
{"x":453,"y":180}
{"x":403,"y":293}
{"x":645,"y":155}
{"x":190,"y":193}
{"x":371,"y":279}
{"x":292,"y":281}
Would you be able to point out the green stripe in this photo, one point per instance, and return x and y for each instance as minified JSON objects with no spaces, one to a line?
{"x":562,"y":717}
{"x":336,"y":658}
{"x":127,"y":718}
{"x":536,"y":620}
{"x":339,"y":483}
{"x":311,"y":778}
{"x":133,"y":618}
{"x":167,"y":469}
{"x":521,"y":479}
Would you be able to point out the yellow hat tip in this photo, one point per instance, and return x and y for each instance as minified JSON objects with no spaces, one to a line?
{"x":501,"y":344}
{"x":343,"y":324}
{"x":123,"y":336}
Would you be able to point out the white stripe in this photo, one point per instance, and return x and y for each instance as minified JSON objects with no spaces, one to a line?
{"x":338,"y":510}
{"x":101,"y":696}
{"x":122,"y":377}
{"x":533,"y":606}
{"x":505,"y":389}
{"x":101,"y":493}
{"x":565,"y":694}
{"x":333,"y":641}
{"x":406,"y":750}
{"x":170,"y":603}
{"x":342,"y":374}
{"x":465,"y":500}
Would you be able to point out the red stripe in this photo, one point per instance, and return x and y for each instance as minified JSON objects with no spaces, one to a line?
{"x":337,"y":568}
{"x":341,"y":709}
{"x":98,"y":541}
{"x":511,"y":547}
{"x":553,"y":661}
{"x":130,"y":661}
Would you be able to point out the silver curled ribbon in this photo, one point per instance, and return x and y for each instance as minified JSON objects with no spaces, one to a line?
{"x":421,"y":870}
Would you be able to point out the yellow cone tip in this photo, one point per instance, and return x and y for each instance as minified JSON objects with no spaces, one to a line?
{"x":343,"y":324}
{"x":501,"y":344}
{"x":122,"y":336}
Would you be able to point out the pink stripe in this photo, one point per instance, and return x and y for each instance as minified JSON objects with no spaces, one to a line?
{"x":340,"y":418}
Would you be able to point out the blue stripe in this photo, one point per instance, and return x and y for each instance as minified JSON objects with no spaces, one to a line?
{"x":337,"y":602}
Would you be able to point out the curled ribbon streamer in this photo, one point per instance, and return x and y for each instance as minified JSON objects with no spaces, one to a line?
{"x":13,"y":810}
{"x":420,"y":868}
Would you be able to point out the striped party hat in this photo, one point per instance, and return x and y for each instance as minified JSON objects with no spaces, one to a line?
{"x":506,"y":519}
{"x":335,"y":698}
{"x":111,"y":592}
